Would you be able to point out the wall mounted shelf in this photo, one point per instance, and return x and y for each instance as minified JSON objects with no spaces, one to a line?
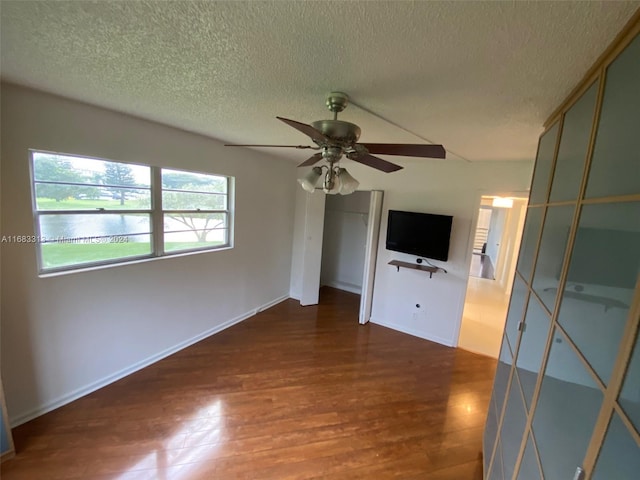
{"x":414,"y":266}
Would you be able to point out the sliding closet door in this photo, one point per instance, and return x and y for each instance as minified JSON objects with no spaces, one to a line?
{"x":566,"y":400}
{"x":6,"y":441}
{"x":312,"y":248}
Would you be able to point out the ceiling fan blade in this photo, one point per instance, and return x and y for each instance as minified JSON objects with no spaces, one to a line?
{"x":308,"y":130}
{"x":406,"y":149}
{"x":277,"y":146}
{"x":376,"y":163}
{"x":312,"y":160}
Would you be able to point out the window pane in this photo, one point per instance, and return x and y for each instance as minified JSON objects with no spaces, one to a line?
{"x":619,"y":458}
{"x":195,"y":239}
{"x":544,"y":160}
{"x":574,"y":143}
{"x":193,"y":182}
{"x":190,"y":222}
{"x":490,"y":432}
{"x":529,"y":469}
{"x":553,"y":245}
{"x":495,"y":405}
{"x":497,"y":397}
{"x":496,"y":468}
{"x":614,"y":167}
{"x":52,"y":167}
{"x":532,"y":345}
{"x":602,"y":276}
{"x":529,"y":240}
{"x":502,"y":375}
{"x":516,"y":310}
{"x":566,"y":412}
{"x":79,"y":197}
{"x":195,"y":230}
{"x":74,"y":227}
{"x":513,"y":424}
{"x":629,"y":398}
{"x":193,"y":201}
{"x":93,"y":250}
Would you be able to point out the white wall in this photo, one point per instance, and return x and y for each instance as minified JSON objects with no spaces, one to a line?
{"x":344,"y":244}
{"x":66,"y":335}
{"x":511,"y":239}
{"x":484,"y":216}
{"x":446,"y":187}
{"x":494,"y":239}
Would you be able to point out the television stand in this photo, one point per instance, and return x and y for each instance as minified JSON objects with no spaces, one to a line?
{"x":414,"y":266}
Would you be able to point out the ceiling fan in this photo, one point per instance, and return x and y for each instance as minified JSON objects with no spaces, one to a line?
{"x":336,"y":138}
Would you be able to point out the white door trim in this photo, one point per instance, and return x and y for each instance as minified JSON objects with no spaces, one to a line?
{"x":370,"y":255}
{"x":312,"y":247}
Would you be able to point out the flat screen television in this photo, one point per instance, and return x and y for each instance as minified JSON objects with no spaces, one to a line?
{"x":422,"y":234}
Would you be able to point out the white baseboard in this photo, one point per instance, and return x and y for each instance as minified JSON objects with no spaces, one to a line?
{"x":272,"y":303}
{"x":410,"y":331}
{"x":103,"y":382}
{"x":347,"y":287}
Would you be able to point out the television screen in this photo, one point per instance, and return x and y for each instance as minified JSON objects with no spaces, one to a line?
{"x":422,"y":234}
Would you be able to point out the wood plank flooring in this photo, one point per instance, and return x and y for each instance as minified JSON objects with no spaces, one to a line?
{"x":292,"y":393}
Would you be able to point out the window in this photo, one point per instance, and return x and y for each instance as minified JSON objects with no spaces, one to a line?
{"x":194,"y":209}
{"x":94,"y":212}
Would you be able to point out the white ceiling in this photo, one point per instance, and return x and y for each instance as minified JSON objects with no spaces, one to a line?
{"x":479,"y":77}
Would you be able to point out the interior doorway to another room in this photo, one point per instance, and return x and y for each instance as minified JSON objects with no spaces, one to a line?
{"x":482,"y":263}
{"x":494,"y":255}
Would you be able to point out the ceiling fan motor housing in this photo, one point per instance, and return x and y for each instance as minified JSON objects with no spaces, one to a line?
{"x":343,"y":133}
{"x":331,"y":154}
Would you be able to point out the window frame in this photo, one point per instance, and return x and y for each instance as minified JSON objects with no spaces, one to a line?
{"x":155,"y":214}
{"x":161,"y":212}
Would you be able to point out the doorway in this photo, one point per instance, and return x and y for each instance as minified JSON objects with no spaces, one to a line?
{"x":344,"y":240}
{"x":481,"y":262}
{"x":500,"y":221}
{"x":340,"y":246}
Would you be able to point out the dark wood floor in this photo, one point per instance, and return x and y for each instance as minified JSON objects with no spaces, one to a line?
{"x":292,"y":393}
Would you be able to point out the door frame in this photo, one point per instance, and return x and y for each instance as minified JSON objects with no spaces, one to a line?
{"x":370,"y":255}
{"x":312,"y":250}
{"x":472,"y":231}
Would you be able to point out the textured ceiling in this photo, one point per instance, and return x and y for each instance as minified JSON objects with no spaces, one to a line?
{"x":479,"y":77}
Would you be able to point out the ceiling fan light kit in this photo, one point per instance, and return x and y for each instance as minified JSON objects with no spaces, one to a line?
{"x":336,"y":181}
{"x":337,"y":138}
{"x":348,"y":184}
{"x":309,"y":181}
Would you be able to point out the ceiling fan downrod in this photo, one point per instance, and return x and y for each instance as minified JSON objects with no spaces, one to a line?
{"x":337,"y":102}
